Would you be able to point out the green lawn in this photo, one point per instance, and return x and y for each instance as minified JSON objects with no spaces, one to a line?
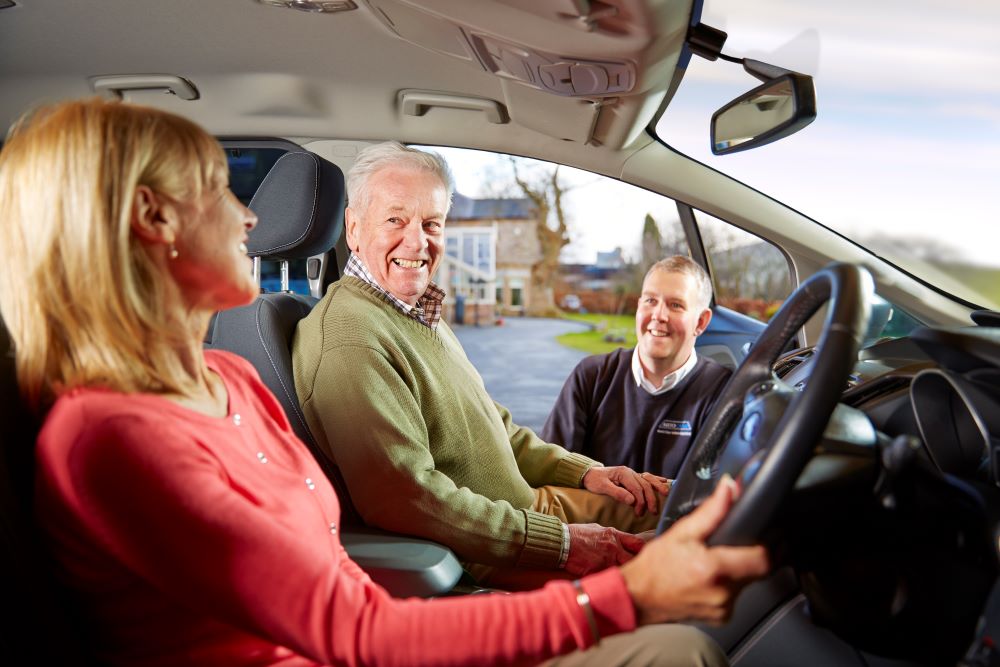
{"x":593,"y":341}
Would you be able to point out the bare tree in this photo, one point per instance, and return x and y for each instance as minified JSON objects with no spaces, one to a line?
{"x":654,"y":245}
{"x":546,"y":192}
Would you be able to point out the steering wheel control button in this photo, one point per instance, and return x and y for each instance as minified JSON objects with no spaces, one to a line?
{"x":758,"y":391}
{"x":750,"y":468}
{"x":704,"y":472}
{"x":751,"y":426}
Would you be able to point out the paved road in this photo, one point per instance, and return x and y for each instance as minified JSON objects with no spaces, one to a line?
{"x":522,"y":364}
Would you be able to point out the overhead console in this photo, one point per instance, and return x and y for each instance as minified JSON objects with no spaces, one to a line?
{"x":595,"y":53}
{"x":572,"y":77}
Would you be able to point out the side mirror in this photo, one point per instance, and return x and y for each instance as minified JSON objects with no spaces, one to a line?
{"x":781,"y":106}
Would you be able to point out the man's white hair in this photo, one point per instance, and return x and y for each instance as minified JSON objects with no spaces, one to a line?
{"x":376,"y":157}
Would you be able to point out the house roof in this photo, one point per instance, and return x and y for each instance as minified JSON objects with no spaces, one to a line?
{"x":467,"y":208}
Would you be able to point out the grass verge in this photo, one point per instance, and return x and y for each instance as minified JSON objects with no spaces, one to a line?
{"x":607,"y":333}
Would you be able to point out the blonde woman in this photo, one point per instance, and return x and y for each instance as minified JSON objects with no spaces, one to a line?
{"x":191,"y":524}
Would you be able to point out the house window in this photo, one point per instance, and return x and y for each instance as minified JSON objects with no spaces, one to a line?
{"x":516,"y":293}
{"x":477,"y":248}
{"x":484,"y":255}
{"x":468,"y":246}
{"x":471,"y":252}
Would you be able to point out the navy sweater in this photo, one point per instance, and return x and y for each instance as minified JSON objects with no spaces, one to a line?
{"x":603,"y":414}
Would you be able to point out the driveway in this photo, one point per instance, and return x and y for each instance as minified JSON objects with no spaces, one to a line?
{"x":522,"y":364}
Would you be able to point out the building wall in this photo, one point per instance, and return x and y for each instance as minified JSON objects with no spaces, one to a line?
{"x":517,"y":249}
{"x":517,"y":243}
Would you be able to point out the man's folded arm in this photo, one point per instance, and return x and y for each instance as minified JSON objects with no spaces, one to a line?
{"x":543,"y":462}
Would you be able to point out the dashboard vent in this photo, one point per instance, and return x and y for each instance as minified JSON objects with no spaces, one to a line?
{"x":784,"y":366}
{"x":883,"y":386}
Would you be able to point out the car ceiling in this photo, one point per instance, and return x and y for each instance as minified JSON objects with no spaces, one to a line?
{"x":267,"y":71}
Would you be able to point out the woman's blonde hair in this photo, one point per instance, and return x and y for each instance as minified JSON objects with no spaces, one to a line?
{"x":84,"y":302}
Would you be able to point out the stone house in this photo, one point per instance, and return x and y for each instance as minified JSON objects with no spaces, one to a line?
{"x":490,"y":246}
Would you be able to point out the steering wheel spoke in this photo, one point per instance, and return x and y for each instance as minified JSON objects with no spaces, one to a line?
{"x":782,"y":438}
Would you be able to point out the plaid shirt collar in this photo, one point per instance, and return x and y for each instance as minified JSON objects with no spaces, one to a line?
{"x":428,"y":308}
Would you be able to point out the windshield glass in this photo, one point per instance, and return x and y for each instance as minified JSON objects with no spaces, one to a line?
{"x":903,"y":155}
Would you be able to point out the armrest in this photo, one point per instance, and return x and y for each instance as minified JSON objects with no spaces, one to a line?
{"x":404,"y":566}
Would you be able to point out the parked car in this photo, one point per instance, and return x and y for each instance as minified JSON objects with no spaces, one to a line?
{"x":571,"y":302}
{"x":866,"y":435}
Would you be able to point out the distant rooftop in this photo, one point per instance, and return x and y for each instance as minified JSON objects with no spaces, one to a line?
{"x":610,"y":260}
{"x":467,"y":208}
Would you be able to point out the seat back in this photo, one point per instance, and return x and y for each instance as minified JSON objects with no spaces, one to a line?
{"x":31,"y":603}
{"x":300,"y":206}
{"x":300,"y":211}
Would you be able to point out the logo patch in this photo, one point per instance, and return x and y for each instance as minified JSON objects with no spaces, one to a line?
{"x":674,"y":427}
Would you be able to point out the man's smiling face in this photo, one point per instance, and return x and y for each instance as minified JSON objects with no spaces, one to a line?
{"x":668,"y":320}
{"x":400,"y":236}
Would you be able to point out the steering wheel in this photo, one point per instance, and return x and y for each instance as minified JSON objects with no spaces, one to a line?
{"x":771,"y":459}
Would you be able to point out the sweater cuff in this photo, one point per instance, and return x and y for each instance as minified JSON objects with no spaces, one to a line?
{"x":571,"y":468}
{"x":543,"y":541}
{"x":610,"y":602}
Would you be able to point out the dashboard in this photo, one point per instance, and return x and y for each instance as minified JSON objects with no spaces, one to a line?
{"x":916,"y":532}
{"x":941,"y":385}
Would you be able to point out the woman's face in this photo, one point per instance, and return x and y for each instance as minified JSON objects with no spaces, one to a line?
{"x":212,"y":268}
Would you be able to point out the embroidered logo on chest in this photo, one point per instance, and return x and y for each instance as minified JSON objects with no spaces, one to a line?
{"x":674,"y":427}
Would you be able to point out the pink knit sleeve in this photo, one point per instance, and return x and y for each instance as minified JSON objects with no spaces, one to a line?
{"x":167,"y":509}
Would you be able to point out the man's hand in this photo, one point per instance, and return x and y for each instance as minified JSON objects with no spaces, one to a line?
{"x":677,"y":577}
{"x":627,"y":486}
{"x":593,"y":547}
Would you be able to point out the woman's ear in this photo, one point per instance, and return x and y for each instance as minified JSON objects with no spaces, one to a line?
{"x":153,"y":219}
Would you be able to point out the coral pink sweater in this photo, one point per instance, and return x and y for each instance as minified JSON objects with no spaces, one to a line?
{"x":215,"y":541}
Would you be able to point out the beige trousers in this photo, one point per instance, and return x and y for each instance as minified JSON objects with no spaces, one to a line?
{"x":582,"y":506}
{"x":659,"y":645}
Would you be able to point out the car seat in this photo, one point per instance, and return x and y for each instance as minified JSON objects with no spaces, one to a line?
{"x":34,"y":605}
{"x":300,"y":208}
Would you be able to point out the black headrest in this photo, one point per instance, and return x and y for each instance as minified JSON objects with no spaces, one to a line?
{"x":300,"y":207}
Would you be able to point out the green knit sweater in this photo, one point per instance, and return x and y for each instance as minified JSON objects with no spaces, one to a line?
{"x":423,"y":448}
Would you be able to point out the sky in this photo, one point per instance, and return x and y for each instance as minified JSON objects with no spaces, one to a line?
{"x":906,"y":143}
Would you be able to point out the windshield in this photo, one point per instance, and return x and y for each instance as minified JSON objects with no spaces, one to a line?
{"x":903,"y":155}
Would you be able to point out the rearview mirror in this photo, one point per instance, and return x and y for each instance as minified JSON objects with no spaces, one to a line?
{"x":780,"y":107}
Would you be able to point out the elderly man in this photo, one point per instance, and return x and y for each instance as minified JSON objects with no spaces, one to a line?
{"x":642,"y":407}
{"x":388,"y":392}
